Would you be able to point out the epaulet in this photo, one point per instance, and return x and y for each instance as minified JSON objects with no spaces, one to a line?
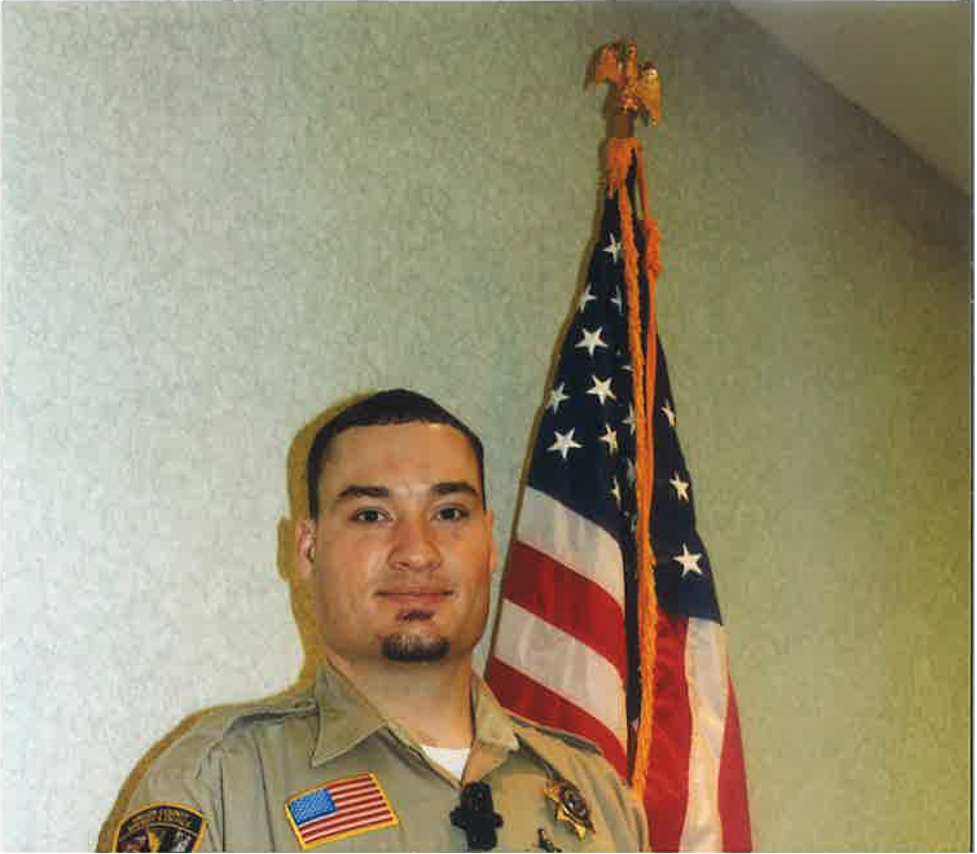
{"x":214,"y":727}
{"x":563,"y":735}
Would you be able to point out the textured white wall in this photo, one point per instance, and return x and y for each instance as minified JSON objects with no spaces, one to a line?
{"x":220,"y":219}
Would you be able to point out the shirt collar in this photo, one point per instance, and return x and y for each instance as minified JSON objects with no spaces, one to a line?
{"x":492,"y":723}
{"x":346,"y":717}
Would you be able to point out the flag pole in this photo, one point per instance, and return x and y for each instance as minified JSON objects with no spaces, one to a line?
{"x":637,"y":91}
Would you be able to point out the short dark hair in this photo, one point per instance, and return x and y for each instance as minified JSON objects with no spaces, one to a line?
{"x":393,"y":406}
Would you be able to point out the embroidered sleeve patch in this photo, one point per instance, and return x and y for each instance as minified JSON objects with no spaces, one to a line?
{"x":161,"y":827}
{"x":339,"y":809}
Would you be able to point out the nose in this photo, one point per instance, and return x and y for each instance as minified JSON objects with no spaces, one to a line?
{"x":415,"y":547}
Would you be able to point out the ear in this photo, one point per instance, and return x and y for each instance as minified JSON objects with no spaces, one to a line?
{"x":305,"y":539}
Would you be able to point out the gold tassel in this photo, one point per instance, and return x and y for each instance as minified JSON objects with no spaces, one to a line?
{"x":618,"y":156}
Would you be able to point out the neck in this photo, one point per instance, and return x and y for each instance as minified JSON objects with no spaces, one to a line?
{"x":432,"y":700}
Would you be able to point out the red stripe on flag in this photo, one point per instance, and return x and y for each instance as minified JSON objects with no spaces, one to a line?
{"x":351,"y":811}
{"x":352,"y":787}
{"x":530,"y":699}
{"x":667,"y":791}
{"x":357,"y":803}
{"x":358,"y":792}
{"x":323,"y":827}
{"x":328,"y":827}
{"x":569,"y":601}
{"x":734,"y":807}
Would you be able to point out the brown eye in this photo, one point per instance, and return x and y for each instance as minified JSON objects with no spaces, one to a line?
{"x":368,"y":516}
{"x":452,"y":514}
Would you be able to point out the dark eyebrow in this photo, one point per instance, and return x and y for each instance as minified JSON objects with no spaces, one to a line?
{"x":452,"y":486}
{"x":356,"y":491}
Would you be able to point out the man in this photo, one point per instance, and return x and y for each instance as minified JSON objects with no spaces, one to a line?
{"x":399,"y":746}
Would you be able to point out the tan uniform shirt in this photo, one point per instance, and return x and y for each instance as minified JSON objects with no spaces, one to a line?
{"x":324,"y":770}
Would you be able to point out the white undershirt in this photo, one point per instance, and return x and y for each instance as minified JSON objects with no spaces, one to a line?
{"x":452,"y":759}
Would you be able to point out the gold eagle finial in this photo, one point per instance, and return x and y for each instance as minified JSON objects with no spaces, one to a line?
{"x":639,"y":87}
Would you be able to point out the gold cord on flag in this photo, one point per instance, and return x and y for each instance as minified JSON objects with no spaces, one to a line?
{"x":638,"y":89}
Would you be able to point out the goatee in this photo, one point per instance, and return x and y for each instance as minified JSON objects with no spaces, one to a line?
{"x":405,"y":647}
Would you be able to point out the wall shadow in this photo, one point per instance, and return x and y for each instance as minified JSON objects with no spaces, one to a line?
{"x":303,"y":614}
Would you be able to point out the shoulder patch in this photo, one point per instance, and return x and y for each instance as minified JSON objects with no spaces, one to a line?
{"x":161,"y":827}
{"x":561,"y":734}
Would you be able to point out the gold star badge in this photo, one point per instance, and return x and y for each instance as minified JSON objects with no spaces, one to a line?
{"x":570,"y":806}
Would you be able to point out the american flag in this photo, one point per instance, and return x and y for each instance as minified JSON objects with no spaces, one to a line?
{"x":567,"y":648}
{"x":340,"y":809}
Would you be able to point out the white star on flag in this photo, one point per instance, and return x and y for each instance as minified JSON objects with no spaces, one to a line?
{"x":632,"y":471}
{"x":690,"y":562}
{"x":585,"y":298}
{"x":602,"y":389}
{"x":610,"y":437}
{"x":563,"y":443}
{"x":681,"y":487}
{"x":667,"y":409}
{"x":618,"y":300}
{"x":591,"y":340}
{"x":630,"y":419}
{"x":616,"y":492}
{"x":557,"y":397}
{"x":613,"y":248}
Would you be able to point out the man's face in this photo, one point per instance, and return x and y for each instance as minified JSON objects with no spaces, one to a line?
{"x":402,"y":554}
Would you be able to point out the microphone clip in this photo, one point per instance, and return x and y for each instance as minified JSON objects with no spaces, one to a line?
{"x":477,"y":817}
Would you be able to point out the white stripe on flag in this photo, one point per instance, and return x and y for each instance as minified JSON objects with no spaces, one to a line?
{"x":573,"y":540}
{"x":564,"y":665}
{"x":705,"y":671}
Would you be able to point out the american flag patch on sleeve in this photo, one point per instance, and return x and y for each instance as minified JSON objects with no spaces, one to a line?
{"x":339,"y":809}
